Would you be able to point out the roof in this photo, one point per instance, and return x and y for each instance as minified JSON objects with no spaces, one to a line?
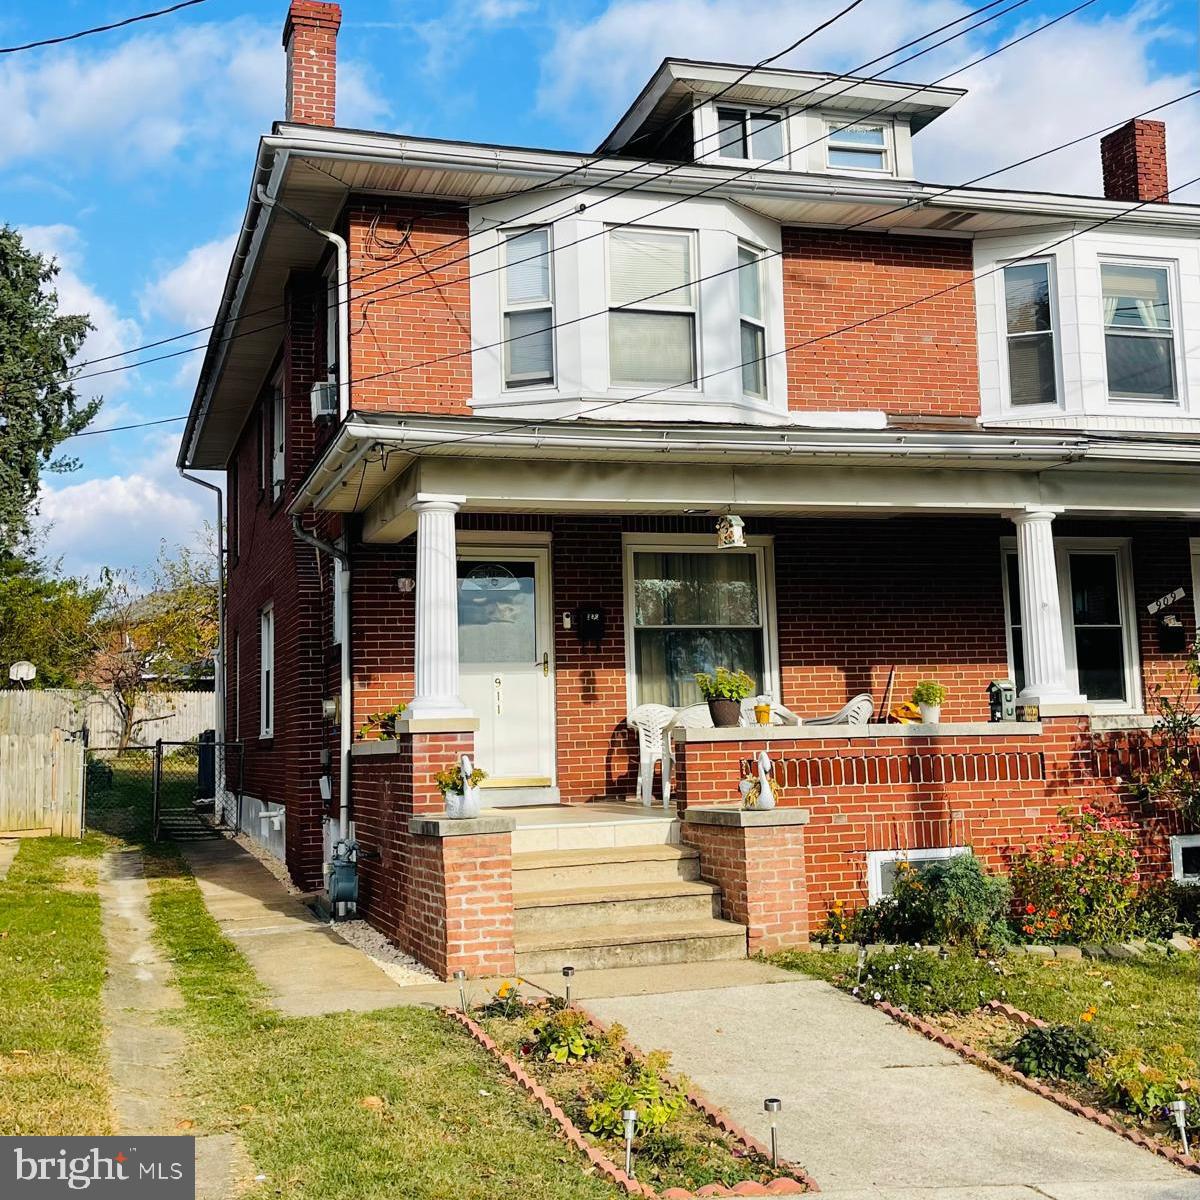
{"x":679,"y":83}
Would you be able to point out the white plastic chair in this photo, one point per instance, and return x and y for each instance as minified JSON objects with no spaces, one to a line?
{"x":651,"y":722}
{"x":857,"y":712}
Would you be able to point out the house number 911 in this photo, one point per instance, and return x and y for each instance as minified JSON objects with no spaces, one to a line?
{"x":499,"y":696}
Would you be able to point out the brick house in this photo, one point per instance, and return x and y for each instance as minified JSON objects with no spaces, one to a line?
{"x":481,"y":408}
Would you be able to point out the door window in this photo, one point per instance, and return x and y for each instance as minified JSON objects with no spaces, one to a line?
{"x":497,"y":620}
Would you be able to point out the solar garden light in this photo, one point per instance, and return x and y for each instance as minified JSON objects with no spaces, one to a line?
{"x":629,"y":1116}
{"x":460,"y":977}
{"x":567,"y":973}
{"x":1178,"y":1109}
{"x":772,"y":1105}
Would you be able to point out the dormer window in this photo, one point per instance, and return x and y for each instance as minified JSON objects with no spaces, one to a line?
{"x":857,"y":147}
{"x":747,"y":135}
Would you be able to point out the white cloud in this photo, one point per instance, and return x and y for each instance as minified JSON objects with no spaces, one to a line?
{"x":187,"y":293}
{"x":1071,"y":79}
{"x":120,"y":520}
{"x":202,"y":87}
{"x":112,"y":333}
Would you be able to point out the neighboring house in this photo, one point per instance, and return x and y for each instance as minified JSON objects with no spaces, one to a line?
{"x":488,"y":488}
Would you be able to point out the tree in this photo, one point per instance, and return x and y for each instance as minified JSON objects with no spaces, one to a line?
{"x":46,"y":617}
{"x":38,"y":404}
{"x":158,"y":639}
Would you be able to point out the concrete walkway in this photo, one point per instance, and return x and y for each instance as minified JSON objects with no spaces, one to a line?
{"x":874,"y":1110}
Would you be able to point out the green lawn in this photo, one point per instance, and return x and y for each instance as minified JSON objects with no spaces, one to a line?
{"x":120,"y":790}
{"x":353,"y":1106}
{"x":53,"y":1074}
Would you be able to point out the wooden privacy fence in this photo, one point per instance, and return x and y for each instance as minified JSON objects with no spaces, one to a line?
{"x":173,"y":716}
{"x":41,"y":783}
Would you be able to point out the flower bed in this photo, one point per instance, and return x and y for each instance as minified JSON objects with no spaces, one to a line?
{"x":585,"y":1076}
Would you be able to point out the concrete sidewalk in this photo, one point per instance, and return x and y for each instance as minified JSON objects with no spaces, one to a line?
{"x":874,"y":1110}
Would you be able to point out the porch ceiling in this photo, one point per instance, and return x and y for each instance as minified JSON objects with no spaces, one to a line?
{"x":377,"y":465}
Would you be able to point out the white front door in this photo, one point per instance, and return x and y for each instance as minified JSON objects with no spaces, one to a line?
{"x":506,"y":668}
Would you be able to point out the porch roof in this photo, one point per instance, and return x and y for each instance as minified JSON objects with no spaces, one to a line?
{"x":378,"y":463}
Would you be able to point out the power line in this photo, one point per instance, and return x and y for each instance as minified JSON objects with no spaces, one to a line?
{"x":82,"y":33}
{"x":123,"y":428}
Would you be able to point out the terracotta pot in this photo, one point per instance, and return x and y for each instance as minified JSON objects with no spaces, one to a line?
{"x":726,"y":714}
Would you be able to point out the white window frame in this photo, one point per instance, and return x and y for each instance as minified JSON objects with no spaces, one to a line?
{"x":520,"y":385}
{"x":339,"y":603}
{"x":278,"y":437}
{"x":1174,"y":301}
{"x":1179,"y":842}
{"x":760,"y":322}
{"x":332,"y":304}
{"x":747,"y":111}
{"x":266,"y":671}
{"x":694,"y":386}
{"x":877,"y":858}
{"x":1005,"y":336}
{"x":833,"y":126}
{"x":762,"y":546}
{"x":1119,"y":548}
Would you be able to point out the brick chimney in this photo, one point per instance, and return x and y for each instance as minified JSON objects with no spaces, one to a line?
{"x":1134,"y":161}
{"x":310,"y":39}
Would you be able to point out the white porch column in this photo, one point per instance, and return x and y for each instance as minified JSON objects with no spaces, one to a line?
{"x":436,"y":665}
{"x":1041,"y":611}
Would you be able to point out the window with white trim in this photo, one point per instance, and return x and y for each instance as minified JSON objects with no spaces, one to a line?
{"x":339,"y":602}
{"x":752,"y":327}
{"x":861,"y":147}
{"x":882,"y":866}
{"x":332,"y":313}
{"x":1185,"y":858}
{"x":1099,"y":626}
{"x":237,"y":687}
{"x":1030,"y":320}
{"x":278,"y":440}
{"x":652,"y":308}
{"x":266,"y":672}
{"x":691,"y":609}
{"x":748,"y":135}
{"x":528,"y":308}
{"x":1139,"y":338}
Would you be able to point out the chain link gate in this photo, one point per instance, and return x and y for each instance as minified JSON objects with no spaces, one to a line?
{"x":168,"y":790}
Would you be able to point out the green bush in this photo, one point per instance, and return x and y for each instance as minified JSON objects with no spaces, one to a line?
{"x":923,"y":982}
{"x":1080,"y":883}
{"x":1165,"y":908}
{"x":639,"y":1086}
{"x":567,"y":1036}
{"x":1143,"y":1083}
{"x":1054,"y":1052}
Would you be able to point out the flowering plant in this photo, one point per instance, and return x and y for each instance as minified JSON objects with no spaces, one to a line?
{"x":1079,"y":884}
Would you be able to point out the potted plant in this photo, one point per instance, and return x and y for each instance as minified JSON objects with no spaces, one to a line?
{"x":725,"y":690}
{"x":459,"y":785}
{"x":384,"y":722}
{"x":929,"y":696}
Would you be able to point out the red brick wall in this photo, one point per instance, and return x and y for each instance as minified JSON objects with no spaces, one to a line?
{"x":919,"y":361}
{"x":410,"y":305}
{"x":310,"y":37}
{"x":1134,"y":162}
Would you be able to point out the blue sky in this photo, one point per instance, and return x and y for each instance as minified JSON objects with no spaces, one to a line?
{"x":127,"y":155}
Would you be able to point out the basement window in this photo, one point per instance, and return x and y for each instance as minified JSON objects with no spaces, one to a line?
{"x":1185,"y":858}
{"x":883,"y":864}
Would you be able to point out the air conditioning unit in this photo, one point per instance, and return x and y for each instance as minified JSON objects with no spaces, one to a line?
{"x":324,"y":398}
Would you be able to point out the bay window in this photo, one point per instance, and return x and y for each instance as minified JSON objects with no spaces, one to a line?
{"x":652,"y":314}
{"x":857,"y":147}
{"x":753,"y":331}
{"x":747,"y":135}
{"x":1139,"y":339}
{"x":1029,"y":313}
{"x":528,"y":309}
{"x":694,"y":609}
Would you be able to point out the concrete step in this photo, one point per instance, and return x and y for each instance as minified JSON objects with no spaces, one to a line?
{"x":544,"y":870}
{"x":627,"y":904}
{"x":603,"y":832}
{"x":595,"y":948}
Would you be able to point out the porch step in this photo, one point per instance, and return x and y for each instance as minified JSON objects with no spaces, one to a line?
{"x":626,"y":905}
{"x":593,"y":948}
{"x":608,"y":866}
{"x":603,"y":831}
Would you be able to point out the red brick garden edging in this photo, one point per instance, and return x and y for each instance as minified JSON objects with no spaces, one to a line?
{"x":1097,"y":1116}
{"x":783,"y":1186}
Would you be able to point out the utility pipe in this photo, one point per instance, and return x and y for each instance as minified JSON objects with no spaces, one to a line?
{"x":219,"y":660}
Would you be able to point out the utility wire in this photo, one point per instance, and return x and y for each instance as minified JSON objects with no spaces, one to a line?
{"x":82,"y":33}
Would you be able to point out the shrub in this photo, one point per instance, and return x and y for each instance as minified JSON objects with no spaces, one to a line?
{"x":1079,"y":884}
{"x":724,"y":684}
{"x":1143,"y":1084}
{"x":567,"y":1036}
{"x":1054,"y":1052}
{"x":1165,"y":908}
{"x":640,"y":1086}
{"x":922,"y":982}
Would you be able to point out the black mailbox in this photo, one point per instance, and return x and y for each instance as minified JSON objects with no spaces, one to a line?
{"x":589,"y":624}
{"x":1172,"y":638}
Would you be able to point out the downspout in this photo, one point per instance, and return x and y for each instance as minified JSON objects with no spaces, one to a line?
{"x":219,"y":660}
